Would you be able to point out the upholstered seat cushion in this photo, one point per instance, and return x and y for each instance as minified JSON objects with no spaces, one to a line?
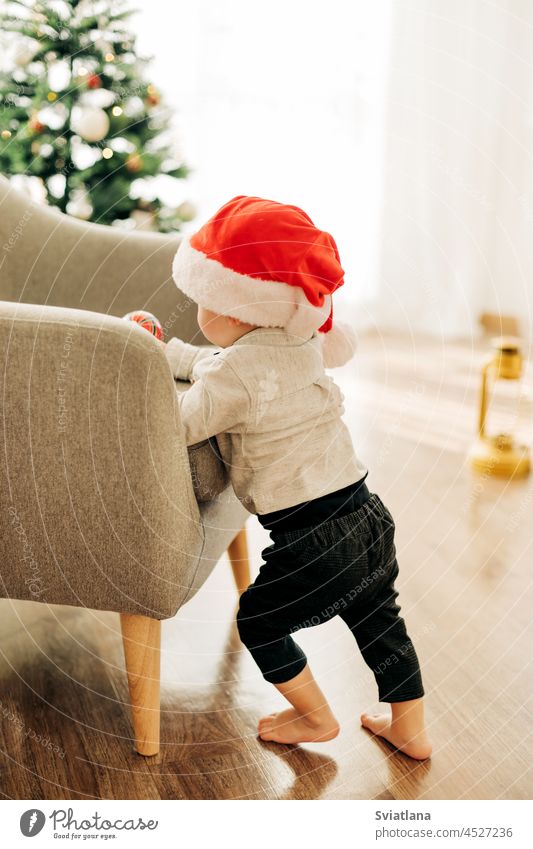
{"x":208,"y":472}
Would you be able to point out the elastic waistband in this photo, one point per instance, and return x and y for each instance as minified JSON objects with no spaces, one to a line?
{"x":337,"y":526}
{"x":318,"y":510}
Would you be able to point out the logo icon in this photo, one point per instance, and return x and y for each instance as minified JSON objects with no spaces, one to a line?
{"x":32,"y":822}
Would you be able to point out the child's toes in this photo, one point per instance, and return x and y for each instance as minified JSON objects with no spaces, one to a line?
{"x":266,"y":731}
{"x":265,"y":723}
{"x":373,"y":722}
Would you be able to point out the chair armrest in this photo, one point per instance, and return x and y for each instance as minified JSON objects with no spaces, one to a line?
{"x":96,"y":500}
{"x":51,"y":258}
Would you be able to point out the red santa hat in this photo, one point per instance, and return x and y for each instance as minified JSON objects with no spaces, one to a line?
{"x":266,"y":263}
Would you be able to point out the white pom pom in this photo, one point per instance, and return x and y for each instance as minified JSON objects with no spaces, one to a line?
{"x":338,"y":345}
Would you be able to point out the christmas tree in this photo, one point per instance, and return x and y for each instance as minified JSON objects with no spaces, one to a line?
{"x":80,"y":117}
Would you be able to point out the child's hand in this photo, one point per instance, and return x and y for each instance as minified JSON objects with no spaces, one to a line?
{"x":183,"y":357}
{"x":180,"y":356}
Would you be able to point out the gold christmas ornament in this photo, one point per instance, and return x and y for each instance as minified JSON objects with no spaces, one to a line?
{"x":134,"y":162}
{"x":499,"y":455}
{"x":186,"y":211}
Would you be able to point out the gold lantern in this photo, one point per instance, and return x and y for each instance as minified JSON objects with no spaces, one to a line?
{"x":499,"y":455}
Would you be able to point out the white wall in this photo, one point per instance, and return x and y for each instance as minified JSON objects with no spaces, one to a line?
{"x":283,"y":100}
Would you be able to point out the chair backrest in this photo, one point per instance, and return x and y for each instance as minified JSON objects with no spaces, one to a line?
{"x":50,"y":258}
{"x":97,"y":507}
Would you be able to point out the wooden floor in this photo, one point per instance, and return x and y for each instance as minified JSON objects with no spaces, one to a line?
{"x":465,"y":547}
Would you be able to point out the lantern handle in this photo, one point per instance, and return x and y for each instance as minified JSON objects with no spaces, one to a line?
{"x":484,"y":398}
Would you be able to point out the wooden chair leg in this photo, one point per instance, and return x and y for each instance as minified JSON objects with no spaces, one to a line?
{"x":240,"y":564}
{"x":142,"y":651}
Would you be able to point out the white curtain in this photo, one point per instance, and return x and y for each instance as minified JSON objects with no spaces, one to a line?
{"x":457,"y":225}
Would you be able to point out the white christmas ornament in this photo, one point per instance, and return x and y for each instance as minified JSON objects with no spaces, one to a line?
{"x":53,"y":116}
{"x":24,"y":51}
{"x":32,"y":186}
{"x":99,"y":98}
{"x":143,"y":219}
{"x":59,"y":76}
{"x":79,"y":204}
{"x":83,"y":155}
{"x":56,"y":185}
{"x":133,"y":107}
{"x":121,"y":145}
{"x":90,"y":123}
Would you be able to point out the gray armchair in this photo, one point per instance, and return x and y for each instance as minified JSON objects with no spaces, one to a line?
{"x":97,"y":504}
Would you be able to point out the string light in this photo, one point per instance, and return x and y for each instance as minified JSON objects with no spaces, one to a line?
{"x":107,"y":153}
{"x":82,"y":72}
{"x":110,"y":57}
{"x":6,"y":134}
{"x":117,"y":110}
{"x":51,"y":96}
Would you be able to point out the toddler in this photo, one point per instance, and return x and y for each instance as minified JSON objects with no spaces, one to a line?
{"x":263,"y":276}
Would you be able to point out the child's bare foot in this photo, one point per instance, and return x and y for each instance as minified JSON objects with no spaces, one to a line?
{"x":289,"y":726}
{"x":404,"y":729}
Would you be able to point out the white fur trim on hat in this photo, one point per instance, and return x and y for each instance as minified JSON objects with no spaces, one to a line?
{"x":267,"y":303}
{"x":338,"y":345}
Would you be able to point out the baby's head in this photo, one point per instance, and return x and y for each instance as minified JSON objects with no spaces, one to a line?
{"x":222,"y":330}
{"x":258,"y":263}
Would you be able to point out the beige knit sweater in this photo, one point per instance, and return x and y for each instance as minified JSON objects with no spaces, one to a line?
{"x":275,"y":413}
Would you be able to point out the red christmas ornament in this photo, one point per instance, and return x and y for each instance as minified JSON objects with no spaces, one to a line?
{"x":147,"y":321}
{"x":35,"y":125}
{"x":152,"y":95}
{"x":94,"y":81}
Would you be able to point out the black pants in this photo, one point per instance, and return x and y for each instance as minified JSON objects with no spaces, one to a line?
{"x":344,"y":566}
